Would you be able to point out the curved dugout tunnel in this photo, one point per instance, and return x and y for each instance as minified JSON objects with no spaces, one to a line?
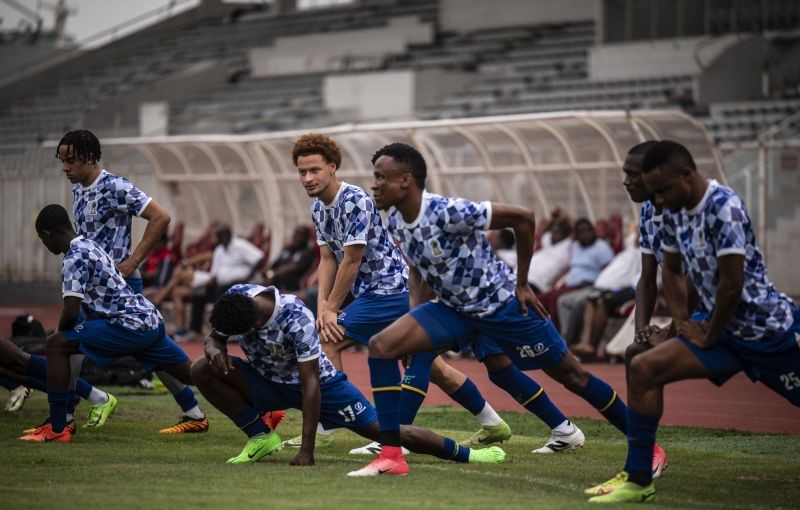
{"x":572,"y":160}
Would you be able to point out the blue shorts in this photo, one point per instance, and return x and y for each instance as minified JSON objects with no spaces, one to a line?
{"x":780,"y":371}
{"x":530,"y":341}
{"x":342,"y":405}
{"x":104,"y":342}
{"x":371,"y":313}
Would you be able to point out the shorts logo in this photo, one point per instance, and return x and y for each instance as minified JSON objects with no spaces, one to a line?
{"x":526,"y":351}
{"x":341,"y":315}
{"x":436,"y":248}
{"x":359,"y":408}
{"x":77,"y":327}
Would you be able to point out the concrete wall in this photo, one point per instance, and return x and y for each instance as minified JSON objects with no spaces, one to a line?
{"x":123,"y":112}
{"x":735,"y":74}
{"x":338,"y":50}
{"x":666,"y":57}
{"x":390,"y":95}
{"x":466,"y":15}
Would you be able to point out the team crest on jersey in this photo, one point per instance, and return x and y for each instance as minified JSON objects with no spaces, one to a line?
{"x":436,"y":248}
{"x":93,"y":208}
{"x":701,"y":239}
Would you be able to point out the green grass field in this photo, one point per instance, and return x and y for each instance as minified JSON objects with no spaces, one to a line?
{"x":128,"y":465}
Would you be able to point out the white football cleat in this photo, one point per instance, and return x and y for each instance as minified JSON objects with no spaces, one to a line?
{"x":16,"y":398}
{"x":563,"y":442}
{"x":374,"y":448}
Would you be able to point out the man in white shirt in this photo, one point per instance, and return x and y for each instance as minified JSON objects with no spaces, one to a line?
{"x":235,"y":260}
{"x":552,"y":261}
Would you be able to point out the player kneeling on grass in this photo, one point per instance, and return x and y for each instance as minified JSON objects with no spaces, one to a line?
{"x":118,"y":322}
{"x":286,"y":368}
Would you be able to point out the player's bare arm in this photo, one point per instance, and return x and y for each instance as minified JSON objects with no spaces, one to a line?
{"x":69,"y":313}
{"x":309,"y":382}
{"x":215,"y":348}
{"x":419,"y":290}
{"x":523,"y":222}
{"x":157,"y":221}
{"x":329,"y":307}
{"x":729,"y":291}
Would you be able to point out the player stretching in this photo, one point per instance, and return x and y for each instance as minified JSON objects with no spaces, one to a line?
{"x":358,"y":257}
{"x":285,"y":368}
{"x":479,"y":297}
{"x":647,"y":335}
{"x":117,"y":322}
{"x":102,"y":207}
{"x":751,"y":327}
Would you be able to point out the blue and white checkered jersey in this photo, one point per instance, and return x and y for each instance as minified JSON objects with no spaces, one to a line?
{"x":719,"y":225}
{"x":448,"y":245}
{"x":102,"y":212}
{"x":289,"y":337}
{"x":352,"y":218}
{"x":88,"y":272}
{"x":650,"y":231}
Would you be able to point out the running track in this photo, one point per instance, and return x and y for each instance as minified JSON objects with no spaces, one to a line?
{"x":739,"y":404}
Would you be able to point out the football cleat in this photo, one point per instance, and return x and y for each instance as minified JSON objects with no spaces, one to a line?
{"x":321,"y":441}
{"x":187,"y":425}
{"x":99,"y":414}
{"x":491,"y":455}
{"x":563,"y":442}
{"x":489,"y":435}
{"x":382,"y":466}
{"x":258,"y":447}
{"x":628,"y":493}
{"x":273,"y":418}
{"x":45,"y":434}
{"x":374,"y":448}
{"x":46,"y":423}
{"x":16,"y":398}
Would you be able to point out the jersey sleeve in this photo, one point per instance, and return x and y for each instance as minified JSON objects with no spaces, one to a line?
{"x":129,"y":199}
{"x":74,"y":276}
{"x":728,"y":226}
{"x":645,"y":241}
{"x":669,"y":240}
{"x":302,"y":331}
{"x":315,"y":217}
{"x":357,"y":220}
{"x":464,"y":216}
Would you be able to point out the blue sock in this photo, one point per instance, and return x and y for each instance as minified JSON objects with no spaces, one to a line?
{"x":453,"y":451}
{"x":641,"y":439}
{"x":469,"y":397}
{"x":527,"y":392}
{"x":185,"y":398}
{"x":9,"y":385}
{"x":72,"y":402}
{"x":603,"y":398}
{"x":37,"y":377}
{"x":416,"y":380}
{"x":250,"y":422}
{"x":36,"y":373}
{"x":58,"y":399}
{"x":83,"y":389}
{"x":384,"y":376}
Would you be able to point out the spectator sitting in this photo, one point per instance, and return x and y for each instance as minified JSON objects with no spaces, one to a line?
{"x":503,"y":246}
{"x":293,"y":262}
{"x":158,"y":267}
{"x":588,"y":256}
{"x":550,"y":263}
{"x":234,"y":260}
{"x":591,"y":306}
